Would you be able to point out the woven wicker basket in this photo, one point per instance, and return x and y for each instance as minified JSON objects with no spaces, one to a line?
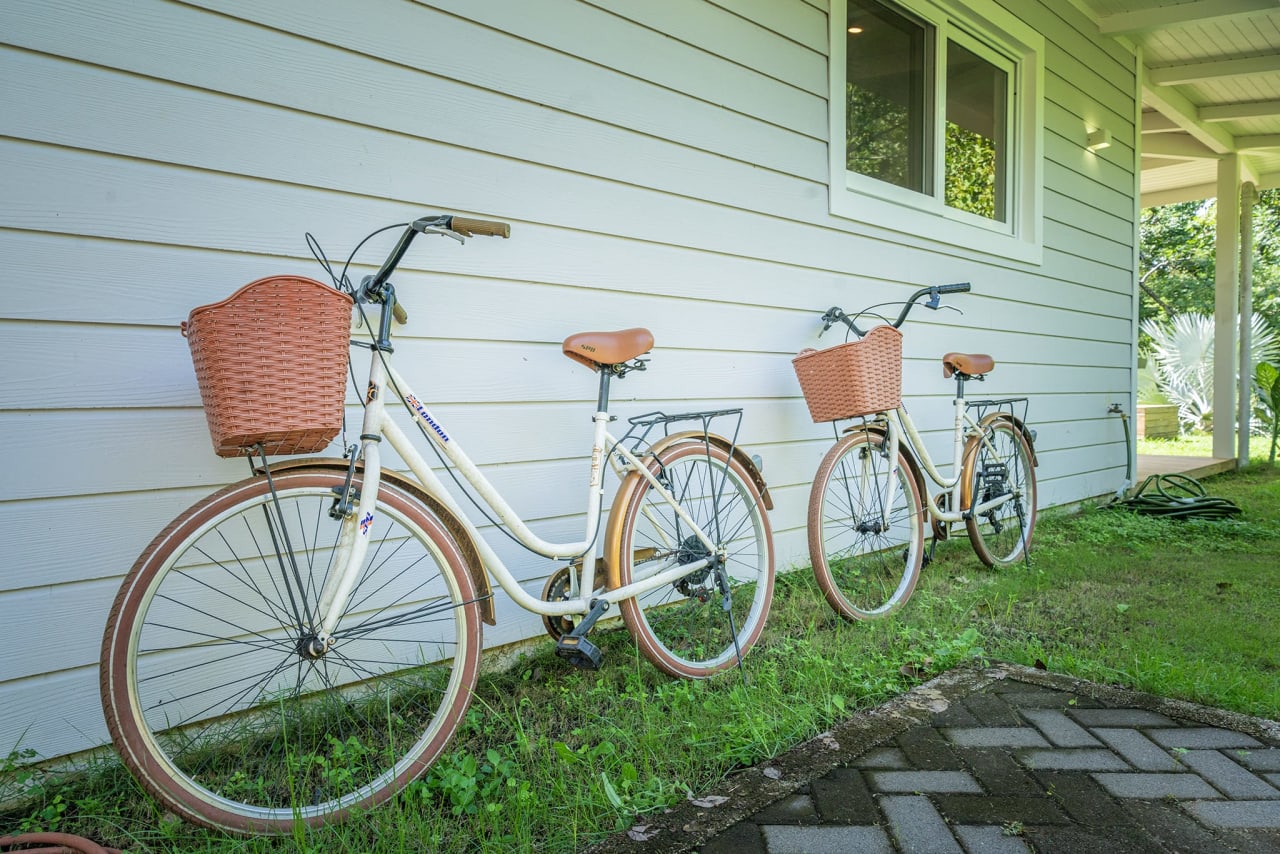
{"x":271,"y":360}
{"x":857,"y":378}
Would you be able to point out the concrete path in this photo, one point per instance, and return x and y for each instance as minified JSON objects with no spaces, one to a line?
{"x":1006,"y":759}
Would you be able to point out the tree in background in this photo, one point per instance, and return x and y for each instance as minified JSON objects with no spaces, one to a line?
{"x":1176,"y":259}
{"x":1176,"y":305}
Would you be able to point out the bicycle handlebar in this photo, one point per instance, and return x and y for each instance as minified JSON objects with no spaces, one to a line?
{"x":836,"y":314}
{"x":373,"y":287}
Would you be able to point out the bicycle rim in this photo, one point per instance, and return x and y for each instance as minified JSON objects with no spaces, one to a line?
{"x":999,"y":464}
{"x":700,"y":624}
{"x":866,"y":560}
{"x":207,"y":693}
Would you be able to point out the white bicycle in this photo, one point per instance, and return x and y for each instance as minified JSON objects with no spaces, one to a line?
{"x":869,"y":499}
{"x":303,"y":643}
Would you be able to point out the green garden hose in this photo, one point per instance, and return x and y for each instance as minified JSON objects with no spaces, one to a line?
{"x":1176,"y":496}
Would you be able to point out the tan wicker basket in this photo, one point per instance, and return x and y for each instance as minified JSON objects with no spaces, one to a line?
{"x":271,"y":360}
{"x":856,"y":378}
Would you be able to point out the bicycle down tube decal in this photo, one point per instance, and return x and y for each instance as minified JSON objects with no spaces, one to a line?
{"x":366,"y":523}
{"x":426,"y":416}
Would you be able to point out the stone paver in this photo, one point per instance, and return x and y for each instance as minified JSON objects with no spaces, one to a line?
{"x":827,"y":840}
{"x":1138,"y":750}
{"x":1073,"y":760}
{"x":1259,"y":760}
{"x":1015,"y":762}
{"x":995,"y":737}
{"x":1198,"y":738}
{"x":1227,"y":777}
{"x":1152,"y":787}
{"x":990,"y":840}
{"x":924,"y":781}
{"x":1059,"y":729}
{"x":1236,"y":813}
{"x":917,"y":826}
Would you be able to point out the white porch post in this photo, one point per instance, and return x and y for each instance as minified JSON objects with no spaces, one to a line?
{"x":1226,"y":305}
{"x":1248,"y":197}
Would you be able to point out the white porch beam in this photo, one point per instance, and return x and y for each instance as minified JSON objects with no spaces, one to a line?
{"x":1146,"y":20}
{"x":1179,"y":147}
{"x":1259,"y":142}
{"x":1225,"y":306}
{"x":1242,"y":110}
{"x":1268,"y":181}
{"x":1173,"y":104}
{"x":1191,"y":72}
{"x":1156,"y":198}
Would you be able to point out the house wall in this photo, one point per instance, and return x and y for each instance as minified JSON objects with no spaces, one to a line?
{"x":662,"y":163}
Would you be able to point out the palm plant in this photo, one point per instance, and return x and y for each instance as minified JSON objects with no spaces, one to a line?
{"x":1267,"y":380}
{"x":1183,"y":350}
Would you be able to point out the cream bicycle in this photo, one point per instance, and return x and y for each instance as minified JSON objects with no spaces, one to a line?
{"x":304,"y":643}
{"x":869,"y":497}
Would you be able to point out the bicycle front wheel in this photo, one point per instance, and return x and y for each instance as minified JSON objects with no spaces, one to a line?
{"x":866,"y":528}
{"x":215,"y":693}
{"x":998,"y":465}
{"x":703,"y":622}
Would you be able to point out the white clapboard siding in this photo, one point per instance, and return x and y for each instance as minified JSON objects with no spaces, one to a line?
{"x":157,"y":155}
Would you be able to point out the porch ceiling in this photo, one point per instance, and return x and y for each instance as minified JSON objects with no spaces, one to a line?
{"x":1211,"y":87}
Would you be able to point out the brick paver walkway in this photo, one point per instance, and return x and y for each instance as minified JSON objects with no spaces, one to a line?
{"x":1003,"y":760}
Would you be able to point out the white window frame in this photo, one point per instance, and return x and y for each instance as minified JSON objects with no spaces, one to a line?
{"x":993,"y":33}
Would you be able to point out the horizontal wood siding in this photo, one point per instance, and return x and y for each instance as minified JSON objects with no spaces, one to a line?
{"x":663,"y":164}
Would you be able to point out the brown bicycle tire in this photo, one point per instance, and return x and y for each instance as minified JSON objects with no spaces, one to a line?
{"x":138,"y":746}
{"x":636,"y":610}
{"x":823,"y":546}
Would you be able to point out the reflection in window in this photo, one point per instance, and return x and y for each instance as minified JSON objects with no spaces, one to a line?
{"x":889,"y":101}
{"x":976,"y":134}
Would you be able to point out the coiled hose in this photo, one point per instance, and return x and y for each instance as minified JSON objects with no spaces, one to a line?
{"x":1176,"y":496}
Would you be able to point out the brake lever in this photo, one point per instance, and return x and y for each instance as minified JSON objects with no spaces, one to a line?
{"x":444,"y":232}
{"x":935,"y":299}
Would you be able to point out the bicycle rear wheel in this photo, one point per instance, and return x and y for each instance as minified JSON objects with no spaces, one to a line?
{"x":704,"y":622}
{"x":212,"y":696}
{"x":866,"y":556}
{"x":998,"y":463}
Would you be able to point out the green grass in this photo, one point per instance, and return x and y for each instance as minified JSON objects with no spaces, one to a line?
{"x":1201,"y":445}
{"x":552,"y":759}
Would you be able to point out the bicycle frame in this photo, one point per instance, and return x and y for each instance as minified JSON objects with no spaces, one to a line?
{"x":901,"y":429}
{"x":378,"y":424}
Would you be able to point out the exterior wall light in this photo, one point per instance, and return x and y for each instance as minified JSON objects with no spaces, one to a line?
{"x":1099,"y":139}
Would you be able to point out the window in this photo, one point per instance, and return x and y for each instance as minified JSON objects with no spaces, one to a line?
{"x":935,"y":115}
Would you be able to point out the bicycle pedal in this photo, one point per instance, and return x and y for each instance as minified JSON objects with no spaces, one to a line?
{"x":579,"y":652}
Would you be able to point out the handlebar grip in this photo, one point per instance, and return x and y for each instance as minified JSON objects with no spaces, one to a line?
{"x":483,"y":227}
{"x":957,"y":288}
{"x":402,"y":316}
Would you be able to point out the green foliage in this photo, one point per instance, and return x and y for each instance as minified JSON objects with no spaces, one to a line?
{"x":879,"y":142}
{"x":878,"y":137}
{"x":971,"y":172}
{"x":1176,"y":258}
{"x":1183,"y":351}
{"x":1267,"y":380}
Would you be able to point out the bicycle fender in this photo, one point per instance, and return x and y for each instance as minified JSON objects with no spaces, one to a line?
{"x":738,"y":454}
{"x":1018,"y":425}
{"x":466,"y":546}
{"x":613,"y":528}
{"x":971,"y":451}
{"x":881,"y":429}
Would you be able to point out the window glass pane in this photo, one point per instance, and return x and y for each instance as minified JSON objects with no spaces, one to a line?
{"x":888,"y":96}
{"x":977,"y":115}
